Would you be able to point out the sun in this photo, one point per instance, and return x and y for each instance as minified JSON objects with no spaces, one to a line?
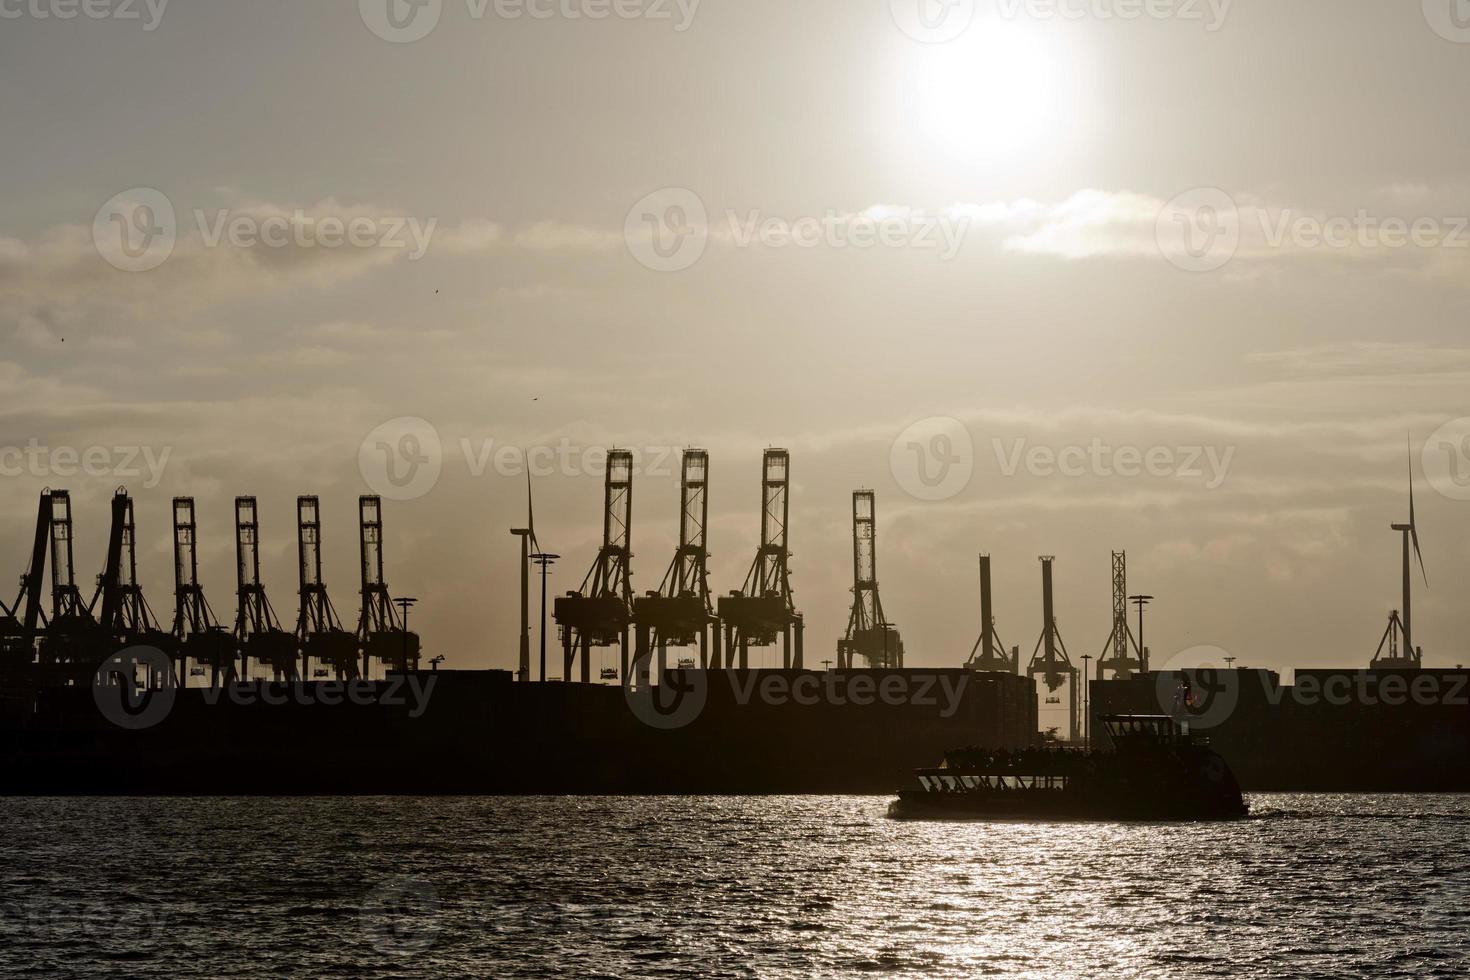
{"x":997,"y":94}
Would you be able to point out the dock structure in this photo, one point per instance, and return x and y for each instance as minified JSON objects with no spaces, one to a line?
{"x":680,"y":612}
{"x":600,"y":613}
{"x":871,"y":640}
{"x":763,"y":609}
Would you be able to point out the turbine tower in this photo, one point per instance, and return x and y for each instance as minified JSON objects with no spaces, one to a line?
{"x":1396,"y":651}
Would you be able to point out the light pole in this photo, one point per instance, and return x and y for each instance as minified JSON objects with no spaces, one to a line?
{"x":1140,"y":601}
{"x":1086,"y":719}
{"x":405,"y":604}
{"x":543,"y":561}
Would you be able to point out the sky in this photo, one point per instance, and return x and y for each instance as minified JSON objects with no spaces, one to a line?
{"x":1183,"y":279}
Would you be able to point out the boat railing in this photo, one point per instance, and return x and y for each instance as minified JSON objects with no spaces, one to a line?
{"x":960,"y":782}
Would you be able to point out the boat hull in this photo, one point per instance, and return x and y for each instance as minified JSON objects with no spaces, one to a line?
{"x":1175,"y":782}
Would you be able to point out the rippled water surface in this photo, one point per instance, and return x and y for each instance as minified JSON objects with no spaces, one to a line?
{"x":1311,"y":885}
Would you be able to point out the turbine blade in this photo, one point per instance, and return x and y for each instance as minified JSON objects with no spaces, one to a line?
{"x":1414,"y":523}
{"x":530,"y":504}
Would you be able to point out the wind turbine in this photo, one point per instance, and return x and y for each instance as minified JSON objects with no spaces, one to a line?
{"x":1404,"y":628}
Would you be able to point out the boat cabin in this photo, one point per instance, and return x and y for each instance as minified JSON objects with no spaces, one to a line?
{"x":1144,"y":731}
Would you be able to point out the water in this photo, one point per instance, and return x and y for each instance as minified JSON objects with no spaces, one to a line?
{"x":666,"y":887}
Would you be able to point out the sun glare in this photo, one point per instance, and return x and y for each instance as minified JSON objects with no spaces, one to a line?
{"x":991,"y":96}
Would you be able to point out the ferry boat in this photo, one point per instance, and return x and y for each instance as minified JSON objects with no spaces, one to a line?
{"x":1156,"y":770}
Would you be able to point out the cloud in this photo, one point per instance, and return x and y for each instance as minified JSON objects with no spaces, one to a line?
{"x":469,"y":237}
{"x":557,"y":236}
{"x":1089,"y":223}
{"x":1404,"y":228}
{"x":1363,"y":358}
